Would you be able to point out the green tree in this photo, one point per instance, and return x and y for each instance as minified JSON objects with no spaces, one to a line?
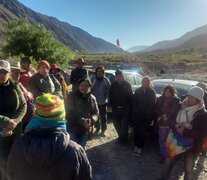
{"x":22,"y":37}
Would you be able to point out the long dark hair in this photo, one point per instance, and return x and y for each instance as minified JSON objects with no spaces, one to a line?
{"x":99,"y":67}
{"x":171,"y":89}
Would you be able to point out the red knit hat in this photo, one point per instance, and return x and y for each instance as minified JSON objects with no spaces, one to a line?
{"x":43,"y":62}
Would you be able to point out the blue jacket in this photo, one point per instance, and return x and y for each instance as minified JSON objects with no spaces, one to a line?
{"x":100,"y":89}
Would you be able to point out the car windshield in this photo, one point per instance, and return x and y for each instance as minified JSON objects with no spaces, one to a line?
{"x":180,"y":88}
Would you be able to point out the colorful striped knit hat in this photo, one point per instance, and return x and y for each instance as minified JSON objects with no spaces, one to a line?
{"x":50,"y":107}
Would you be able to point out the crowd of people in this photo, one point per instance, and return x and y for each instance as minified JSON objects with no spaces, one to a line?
{"x":44,"y":126}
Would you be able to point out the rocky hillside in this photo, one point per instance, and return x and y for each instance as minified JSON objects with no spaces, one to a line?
{"x":74,"y":37}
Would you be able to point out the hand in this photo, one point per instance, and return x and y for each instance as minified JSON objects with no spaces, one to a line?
{"x":12,"y":124}
{"x":6,"y":132}
{"x":164,"y":116}
{"x":179,"y":128}
{"x":87,"y":124}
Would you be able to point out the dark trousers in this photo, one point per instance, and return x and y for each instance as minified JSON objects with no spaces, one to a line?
{"x":189,"y":162}
{"x":101,"y":123}
{"x":120,"y":121}
{"x":140,"y":132}
{"x":5,"y":147}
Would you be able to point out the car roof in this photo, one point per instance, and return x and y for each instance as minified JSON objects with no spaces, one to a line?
{"x":176,"y":81}
{"x":125,"y":71}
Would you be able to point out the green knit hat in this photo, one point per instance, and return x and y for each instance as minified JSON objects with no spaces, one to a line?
{"x":50,"y":107}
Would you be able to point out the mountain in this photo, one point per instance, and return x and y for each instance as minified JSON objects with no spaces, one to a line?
{"x":136,"y":48}
{"x":193,"y":39}
{"x":73,"y":37}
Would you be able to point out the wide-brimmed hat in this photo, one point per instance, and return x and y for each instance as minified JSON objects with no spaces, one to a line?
{"x":80,"y":61}
{"x":16,"y":65}
{"x":5,"y":65}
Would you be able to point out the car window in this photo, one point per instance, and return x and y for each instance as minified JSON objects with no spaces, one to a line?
{"x":138,"y":79}
{"x":111,"y":77}
{"x":91,"y":75}
{"x":159,"y":87}
{"x":130,"y":78}
{"x":181,"y":89}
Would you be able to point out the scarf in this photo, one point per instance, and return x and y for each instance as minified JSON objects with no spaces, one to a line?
{"x":185,"y":115}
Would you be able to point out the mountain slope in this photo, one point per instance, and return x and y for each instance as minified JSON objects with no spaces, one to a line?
{"x":188,"y":40}
{"x":137,"y":48}
{"x":74,"y":37}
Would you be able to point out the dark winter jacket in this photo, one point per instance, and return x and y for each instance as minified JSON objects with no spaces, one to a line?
{"x":77,"y":74}
{"x":47,"y":154}
{"x":12,"y":106}
{"x":144,"y":104}
{"x":79,"y":107}
{"x":169,"y":106}
{"x":12,"y":103}
{"x":199,"y":129}
{"x":120,"y":96}
{"x":49,"y":84}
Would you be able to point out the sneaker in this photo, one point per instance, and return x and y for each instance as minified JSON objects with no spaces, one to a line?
{"x":135,"y":149}
{"x":139,"y":152}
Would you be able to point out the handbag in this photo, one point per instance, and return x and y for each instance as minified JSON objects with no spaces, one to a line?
{"x":177,"y":144}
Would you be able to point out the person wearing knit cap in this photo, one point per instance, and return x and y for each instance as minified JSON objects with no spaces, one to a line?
{"x":49,"y":112}
{"x":43,"y":82}
{"x":45,"y":151}
{"x":189,"y":132}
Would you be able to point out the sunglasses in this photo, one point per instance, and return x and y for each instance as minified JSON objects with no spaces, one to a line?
{"x":3,"y":71}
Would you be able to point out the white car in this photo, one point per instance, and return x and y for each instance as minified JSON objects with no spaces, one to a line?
{"x":181,"y":86}
{"x":134,"y":79}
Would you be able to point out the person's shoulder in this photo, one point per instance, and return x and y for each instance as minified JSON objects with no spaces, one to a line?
{"x":200,"y":114}
{"x":115,"y":83}
{"x":150,"y":89}
{"x":176,"y":99}
{"x":127,"y":83}
{"x":138,"y":90}
{"x":74,"y":146}
{"x":92,"y":96}
{"x":106,"y":79}
{"x":35,"y":76}
{"x":75,"y":149}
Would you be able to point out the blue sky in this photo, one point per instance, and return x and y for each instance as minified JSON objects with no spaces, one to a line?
{"x":134,"y":22}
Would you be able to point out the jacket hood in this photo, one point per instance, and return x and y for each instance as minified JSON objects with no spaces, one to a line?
{"x":43,"y":147}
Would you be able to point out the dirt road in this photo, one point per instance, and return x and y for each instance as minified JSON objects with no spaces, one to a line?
{"x":110,"y":161}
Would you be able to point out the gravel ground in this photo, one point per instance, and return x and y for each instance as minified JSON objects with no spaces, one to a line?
{"x":110,"y":161}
